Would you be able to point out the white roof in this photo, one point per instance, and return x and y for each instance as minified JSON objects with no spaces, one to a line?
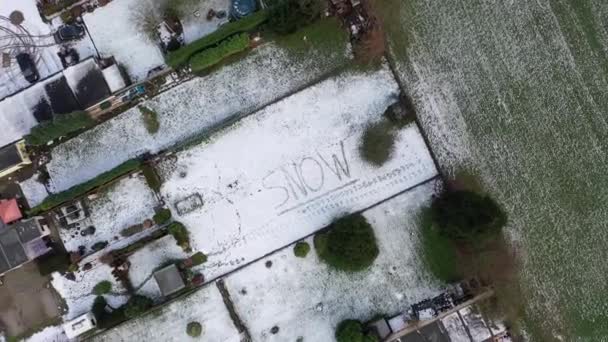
{"x":79,"y":325}
{"x":113,"y":78}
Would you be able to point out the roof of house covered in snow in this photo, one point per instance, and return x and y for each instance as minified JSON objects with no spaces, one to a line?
{"x":79,"y":325}
{"x":114,"y":78}
{"x":87,"y":82}
{"x":169,"y":280}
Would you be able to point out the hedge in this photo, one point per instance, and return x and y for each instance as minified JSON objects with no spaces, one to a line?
{"x":150,"y":119}
{"x":137,"y":305}
{"x":214,"y":55}
{"x":53,"y":262}
{"x":180,"y":57}
{"x":152,"y":178}
{"x":162,"y":216}
{"x":79,"y":190}
{"x":179,"y":232}
{"x":352,"y":331}
{"x":61,"y":126}
{"x":198,"y":258}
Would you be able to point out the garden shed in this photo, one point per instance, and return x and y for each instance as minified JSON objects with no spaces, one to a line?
{"x":169,"y":280}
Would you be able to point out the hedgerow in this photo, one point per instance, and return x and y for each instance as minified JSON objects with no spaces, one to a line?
{"x":180,"y":57}
{"x":61,"y":126}
{"x":214,"y":55}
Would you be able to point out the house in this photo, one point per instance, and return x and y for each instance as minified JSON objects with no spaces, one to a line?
{"x":169,"y":280}
{"x":12,"y":158}
{"x":9,"y":211}
{"x":79,"y":325}
{"x":23,"y":241}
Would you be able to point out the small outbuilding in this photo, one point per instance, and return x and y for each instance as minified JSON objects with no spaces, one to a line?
{"x":169,"y":280}
{"x":80,"y":325}
{"x":12,"y":158}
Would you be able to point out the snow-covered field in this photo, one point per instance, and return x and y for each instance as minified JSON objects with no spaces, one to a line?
{"x":126,"y":40}
{"x":266,"y":74}
{"x":169,"y":323}
{"x":516,"y":92}
{"x":78,"y":294}
{"x":288,"y":170}
{"x":124,"y":203}
{"x":148,"y":259}
{"x":305,"y":298}
{"x":53,"y":333}
{"x":33,"y":191}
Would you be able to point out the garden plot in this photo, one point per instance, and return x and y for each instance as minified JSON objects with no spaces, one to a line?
{"x":266,"y":74}
{"x":149,"y":259}
{"x":303,"y":297}
{"x":78,"y":294}
{"x":289,"y":170}
{"x":122,"y":204}
{"x":169,"y":322}
{"x":516,"y":92}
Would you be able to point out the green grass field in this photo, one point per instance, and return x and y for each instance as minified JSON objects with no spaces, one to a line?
{"x":517,"y":91}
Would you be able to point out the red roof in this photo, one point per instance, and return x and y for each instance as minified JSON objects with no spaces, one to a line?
{"x":9,"y":211}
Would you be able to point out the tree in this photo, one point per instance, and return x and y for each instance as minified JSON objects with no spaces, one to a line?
{"x":102,"y":288}
{"x":137,"y":305}
{"x":378,"y":143}
{"x":467,"y":216}
{"x":301,"y":249}
{"x":194,"y":329}
{"x":287,"y":16}
{"x":348,"y":244}
{"x":352,"y":331}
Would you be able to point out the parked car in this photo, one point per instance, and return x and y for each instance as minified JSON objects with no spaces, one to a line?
{"x":28,"y":67}
{"x":67,"y":33}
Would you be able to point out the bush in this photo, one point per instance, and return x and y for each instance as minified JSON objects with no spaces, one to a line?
{"x":214,"y":55}
{"x":287,"y":16}
{"x":130,"y":231}
{"x":137,"y":305}
{"x":102,"y":288}
{"x":53,"y":262}
{"x":152,"y":177}
{"x":179,"y":232}
{"x":377,"y":143}
{"x":352,"y":331}
{"x":79,"y":190}
{"x":438,"y":251}
{"x":61,"y":126}
{"x":348,"y":244}
{"x":467,"y":216}
{"x":162,"y":216}
{"x":194,"y":329}
{"x":198,"y":258}
{"x":105,"y":105}
{"x":301,"y":249}
{"x":181,"y":56}
{"x":150,"y":119}
{"x":106,"y":320}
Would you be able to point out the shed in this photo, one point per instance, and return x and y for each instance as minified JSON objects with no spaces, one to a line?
{"x":381,"y":327}
{"x":79,"y":325}
{"x":12,"y":158}
{"x":114,"y":78}
{"x":9,"y":211}
{"x":169,"y":280}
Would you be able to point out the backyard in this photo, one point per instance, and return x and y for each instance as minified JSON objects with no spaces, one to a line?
{"x":515,"y":92}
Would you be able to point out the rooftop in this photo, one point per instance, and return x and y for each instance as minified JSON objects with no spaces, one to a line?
{"x":9,"y":211}
{"x":169,"y":280}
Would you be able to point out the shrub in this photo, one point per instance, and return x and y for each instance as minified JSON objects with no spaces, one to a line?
{"x":377,"y":143}
{"x":53,"y":262}
{"x":106,"y":320}
{"x":352,"y":331}
{"x":287,"y":16}
{"x":301,"y":249}
{"x":198,"y":258}
{"x":179,"y":232}
{"x":162,"y":216}
{"x":79,"y":190}
{"x":152,"y":178}
{"x":214,"y":55}
{"x":51,"y":7}
{"x":181,"y":56}
{"x":438,"y":251}
{"x":61,"y":126}
{"x":467,"y":216}
{"x":137,"y":305}
{"x":105,"y":105}
{"x":130,"y":231}
{"x":102,"y":288}
{"x":194,"y":329}
{"x":348,"y":244}
{"x":150,"y":119}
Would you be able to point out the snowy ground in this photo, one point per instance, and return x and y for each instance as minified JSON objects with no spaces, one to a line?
{"x":194,"y":20}
{"x":300,"y":170}
{"x":148,"y":259}
{"x":169,"y":323}
{"x":266,"y":74}
{"x":127,"y":202}
{"x":304,"y":298}
{"x":53,"y":333}
{"x":33,"y":191}
{"x":78,"y":294}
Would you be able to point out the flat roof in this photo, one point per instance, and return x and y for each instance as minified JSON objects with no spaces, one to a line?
{"x":9,"y":156}
{"x":169,"y":280}
{"x":12,"y":248}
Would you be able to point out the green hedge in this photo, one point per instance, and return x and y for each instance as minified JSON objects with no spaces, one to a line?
{"x":180,"y":57}
{"x":59,"y":127}
{"x":179,"y":232}
{"x":162,"y":216}
{"x":214,"y":55}
{"x":152,"y":178}
{"x":137,"y":305}
{"x":150,"y":119}
{"x":198,"y":258}
{"x":53,"y":262}
{"x":79,"y":190}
